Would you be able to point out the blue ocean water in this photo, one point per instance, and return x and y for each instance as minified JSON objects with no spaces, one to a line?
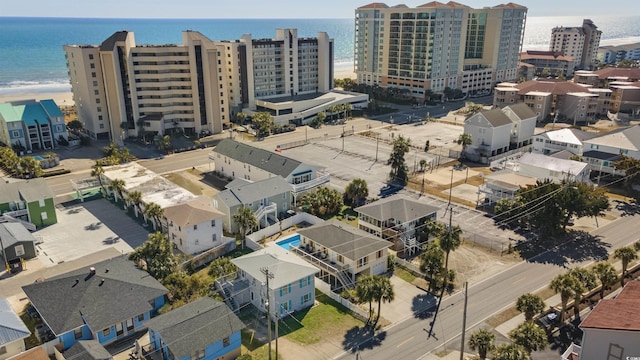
{"x":31,"y":48}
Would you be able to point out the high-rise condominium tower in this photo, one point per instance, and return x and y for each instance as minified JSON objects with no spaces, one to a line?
{"x":581,"y":43}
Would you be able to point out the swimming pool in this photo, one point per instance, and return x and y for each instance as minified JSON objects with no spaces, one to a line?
{"x":38,"y":157}
{"x":289,"y":242}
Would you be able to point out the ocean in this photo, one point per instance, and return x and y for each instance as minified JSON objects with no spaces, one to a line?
{"x":32,"y":59}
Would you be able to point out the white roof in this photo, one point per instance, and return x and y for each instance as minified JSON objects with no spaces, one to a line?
{"x":562,"y":135}
{"x":510,"y":180}
{"x":583,"y":94}
{"x":285,"y":267}
{"x":628,"y":139}
{"x":600,"y":90}
{"x":538,"y":93}
{"x":554,"y":164}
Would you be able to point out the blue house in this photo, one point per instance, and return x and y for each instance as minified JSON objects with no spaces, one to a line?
{"x":106,"y":302}
{"x":32,"y":124}
{"x":204,"y":329}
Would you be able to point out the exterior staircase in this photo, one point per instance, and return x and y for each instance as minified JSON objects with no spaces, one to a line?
{"x":7,"y":217}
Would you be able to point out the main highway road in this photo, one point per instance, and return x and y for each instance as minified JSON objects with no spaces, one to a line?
{"x":409,"y":339}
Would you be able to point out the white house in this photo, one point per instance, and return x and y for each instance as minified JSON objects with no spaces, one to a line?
{"x":12,"y":331}
{"x":490,"y":133}
{"x":523,"y":124}
{"x":601,"y":152}
{"x":611,"y":330}
{"x":237,"y":160}
{"x":553,"y":141}
{"x":291,"y":283}
{"x":502,"y":184}
{"x":194,"y":226}
{"x":342,"y":252}
{"x":547,"y":167}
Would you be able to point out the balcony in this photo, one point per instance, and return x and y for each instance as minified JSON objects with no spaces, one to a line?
{"x":319,"y":180}
{"x":319,"y":260}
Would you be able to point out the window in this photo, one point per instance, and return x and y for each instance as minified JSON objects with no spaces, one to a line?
{"x":99,"y":109}
{"x":97,"y":101}
{"x":93,"y":74}
{"x":141,"y":317}
{"x":214,"y":237}
{"x":363,"y":261}
{"x":379,"y":254}
{"x":226,"y":342}
{"x":95,"y":83}
{"x":285,"y":290}
{"x":106,"y":332}
{"x":92,"y":65}
{"x":15,"y":133}
{"x":44,"y":215}
{"x":41,"y":202}
{"x":119,"y":329}
{"x":305,"y":298}
{"x":197,"y":242}
{"x":340,"y":259}
{"x":213,"y":223}
{"x":96,"y":92}
{"x":77,"y":333}
{"x":90,"y":56}
{"x":195,"y":227}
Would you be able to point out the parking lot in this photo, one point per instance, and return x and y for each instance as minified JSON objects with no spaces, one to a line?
{"x":86,"y":228}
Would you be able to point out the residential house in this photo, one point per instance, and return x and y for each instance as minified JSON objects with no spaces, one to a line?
{"x":524,"y":124}
{"x":194,"y":226}
{"x":16,"y":244}
{"x":398,"y":219}
{"x":552,"y":141}
{"x":86,"y":350}
{"x":342,"y":252}
{"x":269,"y":199}
{"x":603,"y":151}
{"x":12,"y":331}
{"x":236,"y":160}
{"x":502,"y":185}
{"x":203,"y":329}
{"x":291,"y":284}
{"x":553,"y":61}
{"x":610,"y":330}
{"x":33,"y":125}
{"x":106,"y":302}
{"x":557,"y":170}
{"x":29,"y":201}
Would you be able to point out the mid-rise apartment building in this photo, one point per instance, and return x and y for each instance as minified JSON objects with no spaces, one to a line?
{"x":581,"y":43}
{"x":123,"y":89}
{"x":435,"y":46}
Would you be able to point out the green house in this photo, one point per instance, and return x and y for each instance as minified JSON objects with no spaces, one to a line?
{"x":29,"y":201}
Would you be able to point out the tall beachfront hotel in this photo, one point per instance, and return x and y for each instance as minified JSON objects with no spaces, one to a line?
{"x":435,"y":46}
{"x":122,"y":89}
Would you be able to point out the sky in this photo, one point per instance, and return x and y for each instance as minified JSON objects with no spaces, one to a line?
{"x":278,"y":8}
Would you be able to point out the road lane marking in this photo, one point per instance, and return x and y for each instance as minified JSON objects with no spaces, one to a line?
{"x":404,"y":342}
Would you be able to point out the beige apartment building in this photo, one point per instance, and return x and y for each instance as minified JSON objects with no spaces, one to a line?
{"x":581,"y":43}
{"x":123,"y":89}
{"x":435,"y":46}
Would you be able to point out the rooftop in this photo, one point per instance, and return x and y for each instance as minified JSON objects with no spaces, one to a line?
{"x":11,"y":326}
{"x":12,"y":233}
{"x":268,"y":161}
{"x":87,"y":350}
{"x":621,"y":313}
{"x":192,"y":212}
{"x":246,"y":193}
{"x":25,"y":190}
{"x":510,"y":180}
{"x":554,"y":164}
{"x":399,"y":207}
{"x":628,"y":139}
{"x":569,"y":136}
{"x":285,"y":267}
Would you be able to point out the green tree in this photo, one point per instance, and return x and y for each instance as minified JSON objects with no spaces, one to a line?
{"x":264,"y":123}
{"x":97,"y":171}
{"x":432,"y":264}
{"x":530,"y":336}
{"x":482,"y":342}
{"x":155,"y":213}
{"x":135,"y":199}
{"x":587,"y":280}
{"x":626,"y":255}
{"x":626,"y":63}
{"x":75,"y":125}
{"x":246,"y":221}
{"x":117,"y":186}
{"x":423,"y":165}
{"x":545,"y":73}
{"x":29,"y":168}
{"x":509,"y":352}
{"x":322,"y":202}
{"x":565,"y":285}
{"x":631,"y":167}
{"x":606,"y":275}
{"x":431,"y":229}
{"x":399,"y":170}
{"x":530,"y":305}
{"x":464,"y":140}
{"x":240,"y":117}
{"x":157,"y":255}
{"x":473,"y":108}
{"x":448,"y":242}
{"x":185,"y":288}
{"x":365,"y":292}
{"x":220,"y":267}
{"x":355,"y":192}
{"x":383,"y":290}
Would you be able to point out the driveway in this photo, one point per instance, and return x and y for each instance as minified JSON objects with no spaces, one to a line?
{"x":409,"y":301}
{"x":86,"y":228}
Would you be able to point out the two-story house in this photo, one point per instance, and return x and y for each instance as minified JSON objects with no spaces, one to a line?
{"x":194,"y":226}
{"x":269,"y":199}
{"x":29,"y":201}
{"x":342,"y":252}
{"x":236,"y":160}
{"x":13,"y":331}
{"x":106,"y":302}
{"x":603,"y":151}
{"x":203,"y":329}
{"x":291,"y":281}
{"x":396,"y":218}
{"x":553,"y":141}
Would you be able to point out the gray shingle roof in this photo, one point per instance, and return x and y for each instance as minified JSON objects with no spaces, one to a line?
{"x":344,"y":239}
{"x":262,"y":159}
{"x":12,"y":233}
{"x":25,"y":190}
{"x":87,"y":350}
{"x":126,"y":291}
{"x":11,"y":326}
{"x":195,"y":325}
{"x":522,"y":110}
{"x":496,"y":117}
{"x":110,"y":43}
{"x":285,"y":267}
{"x":398,"y":207}
{"x":249,"y":192}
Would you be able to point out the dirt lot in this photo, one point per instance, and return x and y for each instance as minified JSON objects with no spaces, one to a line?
{"x":473,"y":263}
{"x":192,"y":180}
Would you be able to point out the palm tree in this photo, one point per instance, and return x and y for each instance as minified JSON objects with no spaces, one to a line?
{"x":384,"y":292}
{"x":365,"y":292}
{"x":448,"y":242}
{"x":606,"y":274}
{"x":246,"y":220}
{"x":97,"y":171}
{"x":626,"y":255}
{"x":530,"y":336}
{"x":636,"y":245}
{"x":464,"y":140}
{"x":155,"y":212}
{"x":431,"y":264}
{"x":29,"y":167}
{"x":565,"y":285}
{"x":355,"y":192}
{"x":135,"y":198}
{"x":117,"y":186}
{"x":510,"y":352}
{"x":587,"y":280}
{"x":530,"y":305}
{"x":482,"y":342}
{"x":241,"y":117}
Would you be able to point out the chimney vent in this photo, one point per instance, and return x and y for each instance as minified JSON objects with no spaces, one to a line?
{"x":101,"y":282}
{"x":75,"y":283}
{"x":92,"y":270}
{"x":106,"y":270}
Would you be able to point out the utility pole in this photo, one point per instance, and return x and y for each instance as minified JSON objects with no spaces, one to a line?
{"x":464,"y":320}
{"x":277,"y":321}
{"x":450,"y":187}
{"x":377,"y":141}
{"x":268,"y":275}
{"x":343,"y":138}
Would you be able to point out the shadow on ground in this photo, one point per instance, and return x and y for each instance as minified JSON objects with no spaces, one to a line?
{"x":559,"y":341}
{"x":575,"y":246}
{"x":362,"y":337}
{"x":423,"y":306}
{"x":113,"y":217}
{"x":626,"y":208}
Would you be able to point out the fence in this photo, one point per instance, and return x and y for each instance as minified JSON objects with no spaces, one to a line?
{"x":326,"y":289}
{"x":414,"y":269}
{"x":254,"y":238}
{"x":228,"y":245}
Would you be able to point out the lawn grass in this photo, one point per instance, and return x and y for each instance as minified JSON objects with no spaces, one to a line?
{"x":403,"y":274}
{"x":511,"y":312}
{"x":32,"y":341}
{"x":348,"y":215}
{"x":324,"y":320}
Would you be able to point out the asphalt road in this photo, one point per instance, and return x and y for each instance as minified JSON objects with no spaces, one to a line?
{"x":409,"y":339}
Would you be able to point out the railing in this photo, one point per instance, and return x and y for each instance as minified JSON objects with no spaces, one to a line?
{"x":339,"y":273}
{"x":273,"y":207}
{"x":311,"y":183}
